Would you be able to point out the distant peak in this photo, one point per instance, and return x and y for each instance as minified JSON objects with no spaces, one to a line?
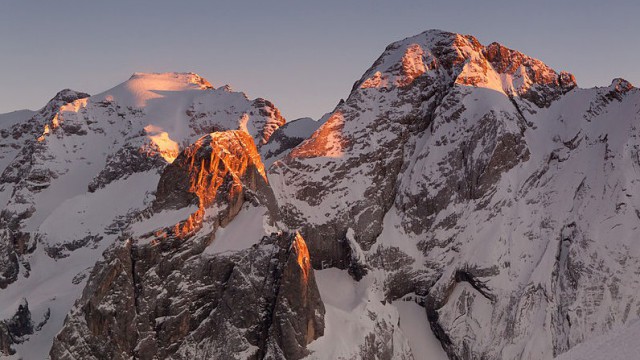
{"x":68,"y":95}
{"x":62,"y":98}
{"x":621,"y":85}
{"x":180,"y":77}
{"x":142,"y":87}
{"x":436,"y":35}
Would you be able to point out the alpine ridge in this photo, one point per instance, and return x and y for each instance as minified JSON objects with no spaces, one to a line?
{"x":465,"y":201}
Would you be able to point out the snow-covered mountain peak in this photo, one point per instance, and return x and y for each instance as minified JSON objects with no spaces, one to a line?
{"x":171,"y":79}
{"x":226,"y":88}
{"x":68,"y":95}
{"x":63,"y":97}
{"x":448,"y":58}
{"x":621,"y":85}
{"x":143,"y":87}
{"x":405,"y":60}
{"x":172,"y":108}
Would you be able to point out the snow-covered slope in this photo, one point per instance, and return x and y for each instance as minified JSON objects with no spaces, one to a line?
{"x":464,"y":202}
{"x":621,"y":344}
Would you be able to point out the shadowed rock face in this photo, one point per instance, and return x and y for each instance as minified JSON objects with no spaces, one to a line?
{"x":14,"y":330}
{"x":275,"y":119}
{"x":152,"y":304}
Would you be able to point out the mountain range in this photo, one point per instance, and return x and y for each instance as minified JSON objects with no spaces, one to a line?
{"x":465,"y":201}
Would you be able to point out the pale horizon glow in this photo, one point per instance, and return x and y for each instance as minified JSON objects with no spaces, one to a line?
{"x":304,"y":57}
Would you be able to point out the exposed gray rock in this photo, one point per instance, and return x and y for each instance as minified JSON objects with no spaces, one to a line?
{"x":126,"y":161}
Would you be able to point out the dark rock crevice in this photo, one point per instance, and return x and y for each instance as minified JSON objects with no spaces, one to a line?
{"x":14,"y":330}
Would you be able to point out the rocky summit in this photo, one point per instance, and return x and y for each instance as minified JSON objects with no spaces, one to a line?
{"x":466,"y":201}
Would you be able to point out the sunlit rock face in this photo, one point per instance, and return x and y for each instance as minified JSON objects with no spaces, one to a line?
{"x":195,"y":177}
{"x":214,"y":170}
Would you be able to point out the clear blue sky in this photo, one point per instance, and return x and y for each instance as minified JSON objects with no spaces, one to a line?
{"x":302,"y":55}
